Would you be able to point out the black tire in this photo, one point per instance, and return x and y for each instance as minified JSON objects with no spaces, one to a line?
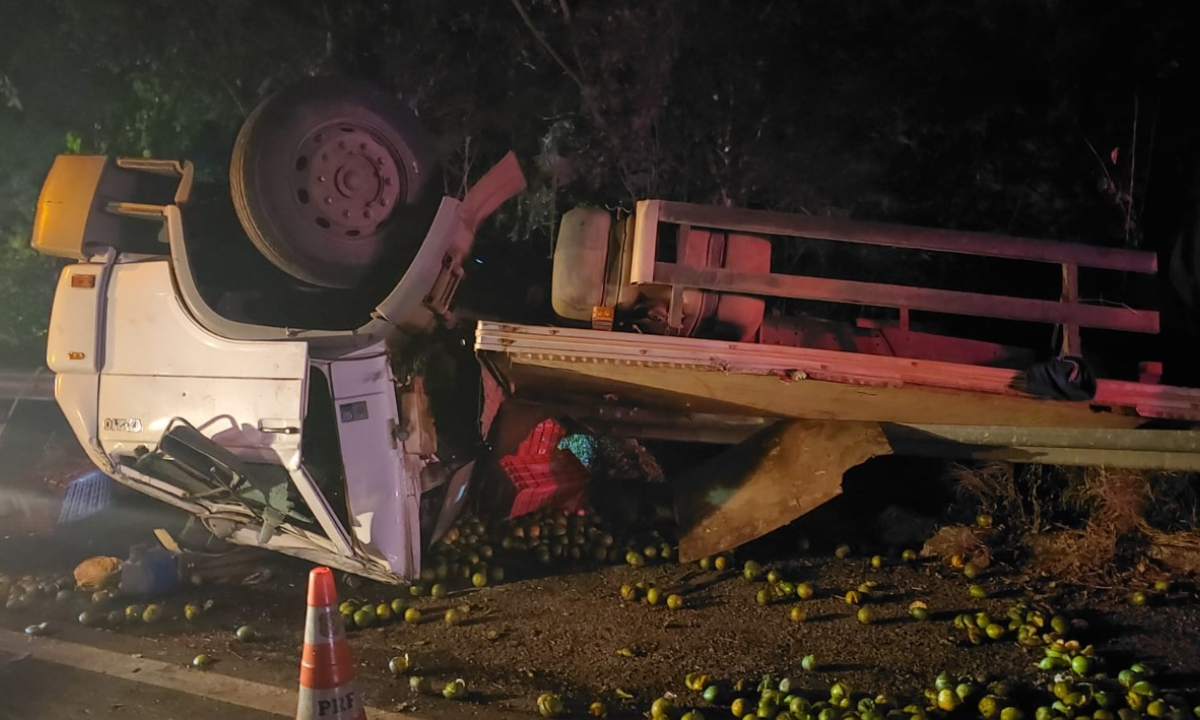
{"x":331,"y":179}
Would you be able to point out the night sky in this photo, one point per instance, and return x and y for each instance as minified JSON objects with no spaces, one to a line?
{"x":1064,"y":120}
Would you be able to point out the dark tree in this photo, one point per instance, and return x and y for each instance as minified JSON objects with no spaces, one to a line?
{"x":1050,"y":118}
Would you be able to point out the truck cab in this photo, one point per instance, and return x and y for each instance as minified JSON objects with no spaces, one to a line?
{"x":267,"y":408}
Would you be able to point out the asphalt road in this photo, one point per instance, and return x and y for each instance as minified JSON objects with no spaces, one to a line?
{"x":35,"y":690}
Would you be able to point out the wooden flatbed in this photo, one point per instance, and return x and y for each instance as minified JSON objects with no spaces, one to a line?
{"x":685,"y":388}
{"x":807,"y":399}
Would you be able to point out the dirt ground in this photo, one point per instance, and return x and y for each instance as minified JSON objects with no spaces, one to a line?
{"x":568,"y":630}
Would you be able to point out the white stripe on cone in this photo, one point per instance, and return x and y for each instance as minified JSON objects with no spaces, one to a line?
{"x":343,"y":703}
{"x":323,"y":626}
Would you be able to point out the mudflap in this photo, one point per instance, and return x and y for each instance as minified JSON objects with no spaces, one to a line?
{"x":768,"y":480}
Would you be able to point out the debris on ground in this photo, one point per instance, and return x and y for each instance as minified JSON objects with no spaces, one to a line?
{"x":202,"y":559}
{"x":149,"y":572}
{"x":959,"y":541}
{"x":98,"y":573}
{"x":582,"y":614}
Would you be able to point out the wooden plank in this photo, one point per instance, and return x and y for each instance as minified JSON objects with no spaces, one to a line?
{"x":791,"y":365}
{"x":693,"y":353}
{"x":911,"y":238}
{"x":645,"y":241}
{"x":897,"y":296}
{"x":766,"y":482}
{"x":1125,"y":392}
{"x":751,"y":358}
{"x":708,"y":391}
{"x":1070,"y":295}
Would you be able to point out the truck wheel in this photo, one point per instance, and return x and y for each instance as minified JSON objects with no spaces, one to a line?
{"x":330,"y":179}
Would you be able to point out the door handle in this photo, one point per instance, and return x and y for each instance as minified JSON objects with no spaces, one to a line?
{"x":277,"y":427}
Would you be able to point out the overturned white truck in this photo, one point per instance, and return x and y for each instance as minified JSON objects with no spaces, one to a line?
{"x":256,"y":389}
{"x":268,"y":410}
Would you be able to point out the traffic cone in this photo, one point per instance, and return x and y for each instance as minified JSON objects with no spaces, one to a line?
{"x":326,"y":669}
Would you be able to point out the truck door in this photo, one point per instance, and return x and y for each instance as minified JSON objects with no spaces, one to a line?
{"x":158,"y":364}
{"x":159,"y":370}
{"x":383,"y":483}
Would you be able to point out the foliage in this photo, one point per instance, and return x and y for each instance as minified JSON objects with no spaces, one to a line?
{"x":1028,"y":117}
{"x":24,"y":303}
{"x":1082,"y":520}
{"x":171,"y":80}
{"x":8,"y":93}
{"x":26,"y":279}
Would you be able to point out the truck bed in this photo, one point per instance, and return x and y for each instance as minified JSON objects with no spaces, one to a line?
{"x":690,"y":389}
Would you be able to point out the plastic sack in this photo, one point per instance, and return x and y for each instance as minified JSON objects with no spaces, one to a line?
{"x":149,"y":572}
{"x":1065,"y":378}
{"x":98,"y":573}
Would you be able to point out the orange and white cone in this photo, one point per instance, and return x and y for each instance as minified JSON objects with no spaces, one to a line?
{"x":326,"y":669}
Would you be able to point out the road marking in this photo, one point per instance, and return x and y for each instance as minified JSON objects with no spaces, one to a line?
{"x":179,"y":678}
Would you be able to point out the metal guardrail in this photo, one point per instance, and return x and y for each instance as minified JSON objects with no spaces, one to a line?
{"x":26,"y":384}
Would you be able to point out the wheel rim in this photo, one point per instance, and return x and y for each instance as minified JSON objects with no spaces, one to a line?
{"x":346,"y":179}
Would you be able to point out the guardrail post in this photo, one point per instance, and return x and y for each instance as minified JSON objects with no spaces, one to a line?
{"x":1070,"y":295}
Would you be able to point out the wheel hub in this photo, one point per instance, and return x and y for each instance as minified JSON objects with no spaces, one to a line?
{"x":346,"y":179}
